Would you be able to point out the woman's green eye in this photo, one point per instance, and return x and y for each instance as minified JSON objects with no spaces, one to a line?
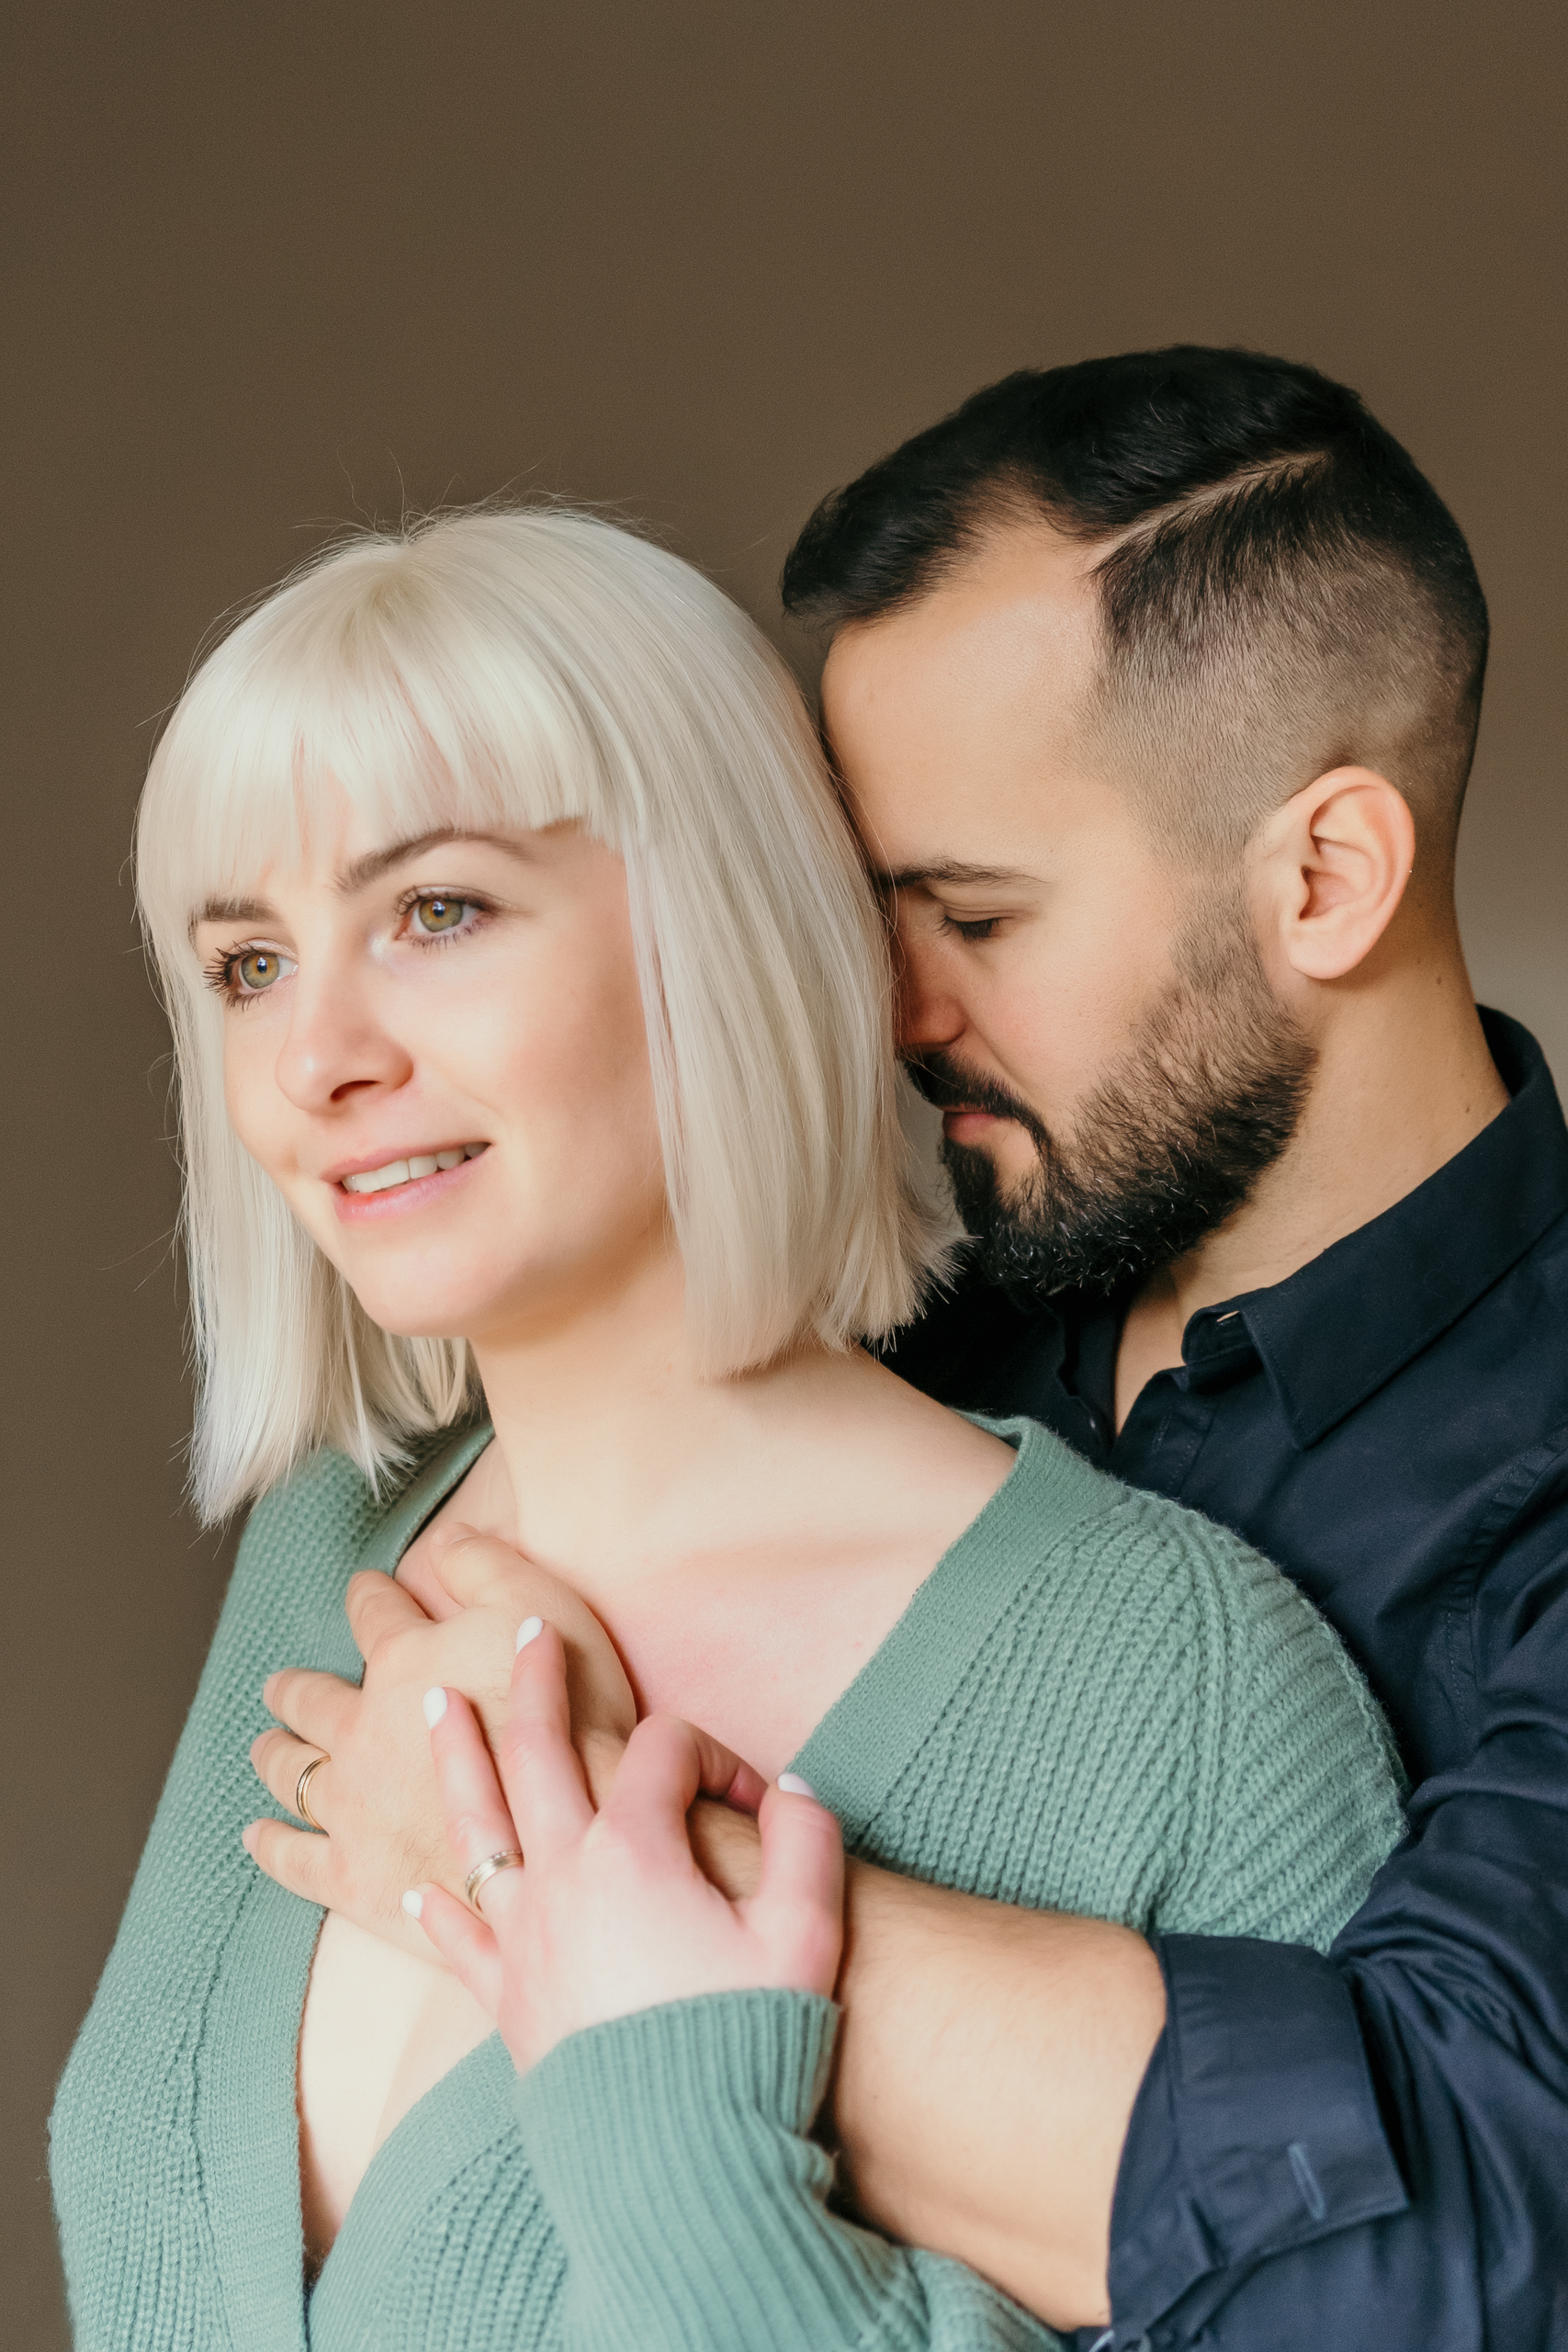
{"x":257,"y":968}
{"x":439,"y":913}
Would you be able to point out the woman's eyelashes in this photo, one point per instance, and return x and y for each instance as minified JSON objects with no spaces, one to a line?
{"x":422,"y":919}
{"x":245,"y":972}
{"x":432,"y":917}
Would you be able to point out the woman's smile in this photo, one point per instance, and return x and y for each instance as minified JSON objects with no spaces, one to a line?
{"x":371,"y":1194}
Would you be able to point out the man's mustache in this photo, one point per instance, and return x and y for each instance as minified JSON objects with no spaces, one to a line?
{"x":947,"y":1086}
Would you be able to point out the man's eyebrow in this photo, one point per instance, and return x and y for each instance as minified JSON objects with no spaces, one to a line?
{"x":951,"y":872}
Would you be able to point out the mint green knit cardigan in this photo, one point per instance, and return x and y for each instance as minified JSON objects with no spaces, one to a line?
{"x":1097,"y":1701}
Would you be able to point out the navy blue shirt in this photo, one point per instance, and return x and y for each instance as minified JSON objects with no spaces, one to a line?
{"x":1370,"y":2148}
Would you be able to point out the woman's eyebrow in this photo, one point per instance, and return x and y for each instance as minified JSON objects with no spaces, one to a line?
{"x":232,"y":910}
{"x":377,"y":862}
{"x":364,"y":870}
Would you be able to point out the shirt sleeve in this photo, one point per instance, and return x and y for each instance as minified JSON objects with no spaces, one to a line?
{"x":671,"y":2150}
{"x":1368,"y":2147}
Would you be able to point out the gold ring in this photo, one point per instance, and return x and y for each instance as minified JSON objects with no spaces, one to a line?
{"x":483,"y":1872}
{"x":301,"y":1792}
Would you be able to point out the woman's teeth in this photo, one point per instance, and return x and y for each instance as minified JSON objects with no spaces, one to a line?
{"x":405,"y":1172}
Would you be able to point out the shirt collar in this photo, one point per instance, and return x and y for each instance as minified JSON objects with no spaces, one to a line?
{"x":1336,"y":1330}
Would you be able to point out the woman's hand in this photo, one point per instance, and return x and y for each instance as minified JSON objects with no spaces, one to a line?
{"x":610,"y":1913}
{"x":376,"y":1795}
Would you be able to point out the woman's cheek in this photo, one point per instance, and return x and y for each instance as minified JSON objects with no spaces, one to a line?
{"x":257,"y":1112}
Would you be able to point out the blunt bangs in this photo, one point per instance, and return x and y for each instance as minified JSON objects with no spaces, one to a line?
{"x":506,"y":671}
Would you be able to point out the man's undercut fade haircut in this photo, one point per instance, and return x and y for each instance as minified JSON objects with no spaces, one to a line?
{"x":1281,"y":591}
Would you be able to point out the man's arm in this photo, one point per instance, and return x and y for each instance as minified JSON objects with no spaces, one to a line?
{"x":1264,"y":2196}
{"x":989,"y":2061}
{"x":1368,"y":2148}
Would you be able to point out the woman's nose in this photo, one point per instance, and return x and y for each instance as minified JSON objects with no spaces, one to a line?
{"x":336,"y":1046}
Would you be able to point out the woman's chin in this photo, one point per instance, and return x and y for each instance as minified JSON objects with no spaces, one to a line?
{"x":415,"y":1326}
{"x":435,"y":1315}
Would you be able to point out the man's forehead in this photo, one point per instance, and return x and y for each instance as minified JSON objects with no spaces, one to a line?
{"x":1021,"y":605}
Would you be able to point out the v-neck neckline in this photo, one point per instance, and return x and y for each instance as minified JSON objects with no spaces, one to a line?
{"x":256,"y":2003}
{"x":853,"y":1757}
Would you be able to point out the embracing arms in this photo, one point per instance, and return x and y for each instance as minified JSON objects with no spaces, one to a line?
{"x":998,"y":2145}
{"x":673,"y":2042}
{"x":1381,"y":2132}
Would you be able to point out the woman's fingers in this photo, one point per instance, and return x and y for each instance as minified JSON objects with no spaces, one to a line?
{"x":729,"y":1776}
{"x":669,"y":1764}
{"x":800,"y":1899}
{"x":477,"y":1822}
{"x":465,"y":1943}
{"x":316,"y":1707}
{"x":279,"y":1758}
{"x":540,"y":1769}
{"x":666,"y":1765}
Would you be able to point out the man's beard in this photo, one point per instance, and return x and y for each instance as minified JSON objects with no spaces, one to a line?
{"x":1168,"y":1146}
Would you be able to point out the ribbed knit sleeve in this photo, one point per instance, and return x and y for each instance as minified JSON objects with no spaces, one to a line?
{"x":670,"y":2148}
{"x":1300,"y":1802}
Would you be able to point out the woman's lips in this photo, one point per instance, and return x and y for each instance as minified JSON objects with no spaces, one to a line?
{"x":400,"y":1199}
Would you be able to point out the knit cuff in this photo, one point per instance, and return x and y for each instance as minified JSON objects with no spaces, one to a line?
{"x":669,"y":2149}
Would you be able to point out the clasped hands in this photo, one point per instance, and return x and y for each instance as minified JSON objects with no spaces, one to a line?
{"x":537,"y":1748}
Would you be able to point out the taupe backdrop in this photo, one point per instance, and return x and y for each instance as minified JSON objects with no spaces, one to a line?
{"x":276,"y":269}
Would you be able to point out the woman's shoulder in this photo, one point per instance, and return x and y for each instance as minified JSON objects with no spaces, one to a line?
{"x":1156,"y":1724}
{"x":1057,"y":1507}
{"x":1296,"y":1779}
{"x":327,"y":1511}
{"x":1259,"y":1635}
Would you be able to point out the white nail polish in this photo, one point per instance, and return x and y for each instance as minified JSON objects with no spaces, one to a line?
{"x":793,"y":1786}
{"x":529,"y":1631}
{"x":413,"y":1903}
{"x":434,"y":1706}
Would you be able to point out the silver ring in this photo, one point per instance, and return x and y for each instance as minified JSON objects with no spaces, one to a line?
{"x":483,"y":1872}
{"x":301,"y":1792}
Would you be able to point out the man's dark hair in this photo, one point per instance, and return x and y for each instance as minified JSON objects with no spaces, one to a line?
{"x":1282,"y":591}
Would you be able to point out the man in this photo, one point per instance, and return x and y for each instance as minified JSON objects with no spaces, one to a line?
{"x":1152,"y":684}
{"x":1153,"y":687}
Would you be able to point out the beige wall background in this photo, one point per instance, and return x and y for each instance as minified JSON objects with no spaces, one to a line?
{"x":278,"y":269}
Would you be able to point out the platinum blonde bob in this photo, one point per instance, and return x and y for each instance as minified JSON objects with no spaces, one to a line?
{"x":514,"y":670}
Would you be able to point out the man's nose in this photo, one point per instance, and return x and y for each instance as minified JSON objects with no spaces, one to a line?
{"x":927,"y":1011}
{"x":336,"y":1046}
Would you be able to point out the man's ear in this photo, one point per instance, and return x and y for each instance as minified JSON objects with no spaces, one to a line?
{"x":1331,"y":867}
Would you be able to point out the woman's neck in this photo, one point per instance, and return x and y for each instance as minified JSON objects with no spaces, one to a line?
{"x":611,"y":1448}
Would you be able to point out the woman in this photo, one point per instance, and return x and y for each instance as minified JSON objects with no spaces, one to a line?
{"x":533,"y":1029}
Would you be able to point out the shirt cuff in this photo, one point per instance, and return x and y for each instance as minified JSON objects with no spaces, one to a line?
{"x":669,"y":2149}
{"x":1255,"y":2128}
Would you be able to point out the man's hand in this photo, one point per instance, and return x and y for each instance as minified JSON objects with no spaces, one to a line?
{"x":376,"y":1795}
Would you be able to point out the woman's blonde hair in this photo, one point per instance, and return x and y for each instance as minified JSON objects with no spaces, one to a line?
{"x":514,"y":670}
